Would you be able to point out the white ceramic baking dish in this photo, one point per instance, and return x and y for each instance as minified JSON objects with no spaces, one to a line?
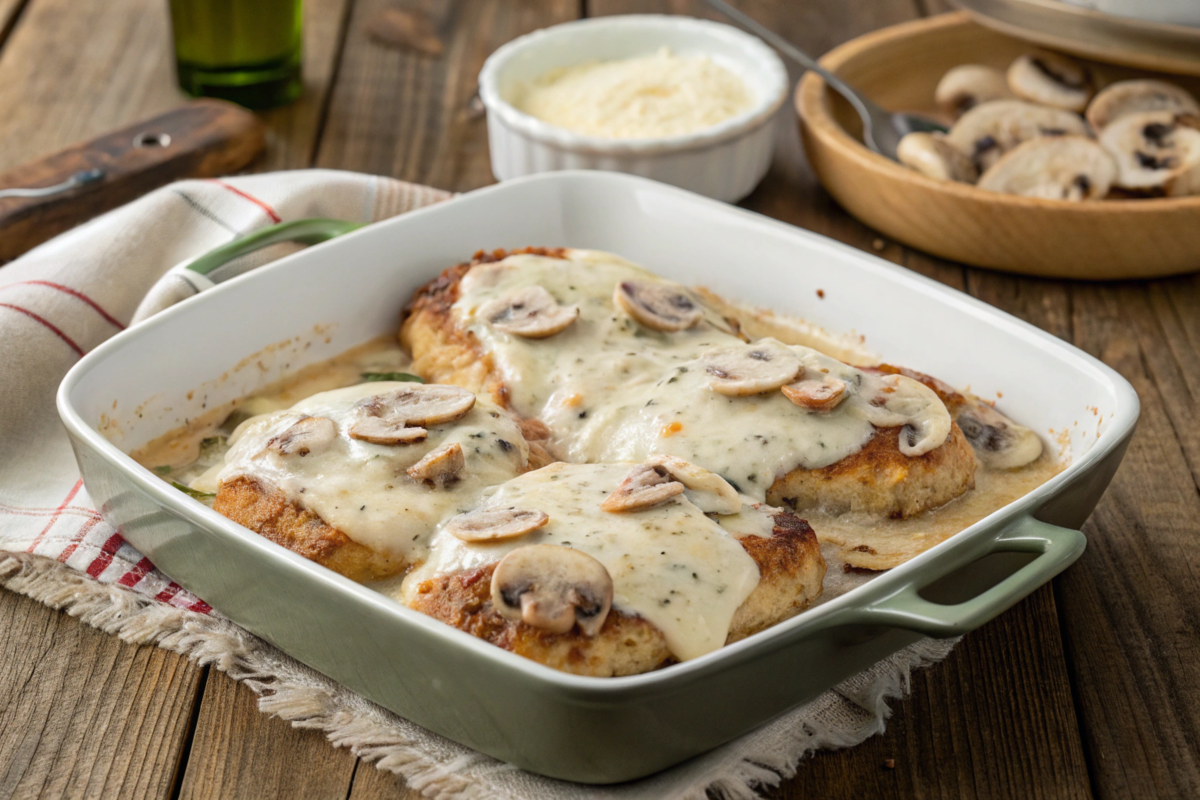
{"x":725,"y":161}
{"x":319,"y":302}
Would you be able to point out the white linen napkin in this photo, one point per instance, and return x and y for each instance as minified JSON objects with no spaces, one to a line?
{"x":62,"y":299}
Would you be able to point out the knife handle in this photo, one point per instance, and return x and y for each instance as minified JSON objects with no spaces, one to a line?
{"x":204,"y":138}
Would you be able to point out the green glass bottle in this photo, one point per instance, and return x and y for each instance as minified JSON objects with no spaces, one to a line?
{"x":247,"y":51}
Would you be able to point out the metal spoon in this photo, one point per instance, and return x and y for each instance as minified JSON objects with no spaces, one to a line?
{"x":882,"y":129}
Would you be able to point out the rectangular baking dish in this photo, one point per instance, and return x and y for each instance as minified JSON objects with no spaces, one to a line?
{"x":317,"y":303}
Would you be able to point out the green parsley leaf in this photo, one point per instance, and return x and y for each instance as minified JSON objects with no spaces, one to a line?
{"x":391,"y":376}
{"x":190,"y":492}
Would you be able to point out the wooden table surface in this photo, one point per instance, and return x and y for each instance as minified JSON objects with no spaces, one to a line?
{"x":1087,"y":688}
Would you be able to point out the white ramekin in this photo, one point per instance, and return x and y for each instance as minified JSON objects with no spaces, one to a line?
{"x":725,"y":161}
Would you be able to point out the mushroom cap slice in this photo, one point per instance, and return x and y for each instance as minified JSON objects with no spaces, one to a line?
{"x":990,"y":130}
{"x":493,"y":524}
{"x":707,"y":490}
{"x":659,"y":306}
{"x":1156,"y":151}
{"x":754,"y":368}
{"x":1053,"y":168}
{"x":530,"y":311}
{"x":968,"y":85}
{"x":377,"y":430}
{"x":552,"y":588}
{"x":933,"y":156}
{"x":999,"y":442}
{"x":440,"y":466}
{"x":420,"y":404}
{"x":818,"y":392}
{"x":1134,"y":97}
{"x":899,"y":400}
{"x":1051,"y":80}
{"x":308,"y":435}
{"x":645,"y":486}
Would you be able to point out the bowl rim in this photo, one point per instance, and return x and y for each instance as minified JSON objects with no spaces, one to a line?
{"x":762,"y":59}
{"x":810,"y":102}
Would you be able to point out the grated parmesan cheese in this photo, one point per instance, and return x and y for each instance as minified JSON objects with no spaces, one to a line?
{"x":637,"y":98}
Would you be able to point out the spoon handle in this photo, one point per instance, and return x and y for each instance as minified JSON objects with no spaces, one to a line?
{"x":860,"y":103}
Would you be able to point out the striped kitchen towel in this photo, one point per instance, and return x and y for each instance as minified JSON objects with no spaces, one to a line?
{"x":64,"y":298}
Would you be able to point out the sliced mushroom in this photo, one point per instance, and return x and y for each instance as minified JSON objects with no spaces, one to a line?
{"x":762,"y":366}
{"x":531,"y":312}
{"x":816,"y":392}
{"x":552,"y":588}
{"x":999,"y":442}
{"x":1156,"y":152}
{"x":896,"y":400}
{"x":420,"y":404}
{"x":1052,"y":80}
{"x":968,"y":85}
{"x":933,"y":156}
{"x":308,"y":435}
{"x":1053,"y":168}
{"x":658,"y":306}
{"x":645,"y":486}
{"x":1135,"y":97}
{"x":493,"y":524}
{"x":990,"y":130}
{"x":708,"y":491}
{"x":441,"y":466}
{"x":377,"y":430}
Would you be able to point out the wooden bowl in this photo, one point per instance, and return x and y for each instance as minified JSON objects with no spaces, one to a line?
{"x":899,"y":67}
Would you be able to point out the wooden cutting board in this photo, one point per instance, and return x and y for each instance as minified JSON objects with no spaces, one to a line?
{"x":204,"y":138}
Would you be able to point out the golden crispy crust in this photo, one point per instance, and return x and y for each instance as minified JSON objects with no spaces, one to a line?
{"x":880,"y":479}
{"x":442,"y":351}
{"x":791,"y":568}
{"x":271,"y":515}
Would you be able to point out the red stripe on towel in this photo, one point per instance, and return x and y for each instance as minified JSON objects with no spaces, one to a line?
{"x":138,"y":572}
{"x":74,"y":293}
{"x":270,"y":211}
{"x":57,"y":512}
{"x":107,"y":551}
{"x":48,"y":324}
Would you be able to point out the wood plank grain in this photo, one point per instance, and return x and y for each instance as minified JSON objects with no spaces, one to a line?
{"x":400,"y":113}
{"x":1130,"y":606}
{"x":9,"y":11}
{"x":75,"y":70}
{"x":371,"y":783}
{"x":82,"y":713}
{"x":237,"y":751}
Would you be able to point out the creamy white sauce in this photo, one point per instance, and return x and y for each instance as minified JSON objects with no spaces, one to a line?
{"x":361,"y":488}
{"x":648,"y":96}
{"x":612,"y":390}
{"x":671,"y":564}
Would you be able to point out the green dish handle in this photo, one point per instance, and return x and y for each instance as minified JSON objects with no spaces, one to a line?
{"x":1056,"y":548}
{"x":306,"y":231}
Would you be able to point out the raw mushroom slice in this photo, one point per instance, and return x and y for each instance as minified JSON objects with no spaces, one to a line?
{"x":494,"y":524}
{"x":1135,"y":97}
{"x":818,"y":392}
{"x":307,"y":436}
{"x":552,"y":588}
{"x":1051,"y":80}
{"x":658,"y":306}
{"x":999,"y":442}
{"x":968,"y":85}
{"x":1156,"y":152}
{"x":900,"y":401}
{"x":933,"y":156}
{"x":756,"y":368}
{"x":530,"y":312}
{"x":990,"y":130}
{"x":708,"y":491}
{"x":645,"y":486}
{"x":1053,"y":168}
{"x":439,"y":467}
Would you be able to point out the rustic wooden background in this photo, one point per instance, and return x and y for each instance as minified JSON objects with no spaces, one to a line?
{"x":1086,"y":689}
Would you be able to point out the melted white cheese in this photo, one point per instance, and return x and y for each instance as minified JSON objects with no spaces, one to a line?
{"x":612,"y":390}
{"x":636,"y":98}
{"x":671,"y":564}
{"x":361,"y":488}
